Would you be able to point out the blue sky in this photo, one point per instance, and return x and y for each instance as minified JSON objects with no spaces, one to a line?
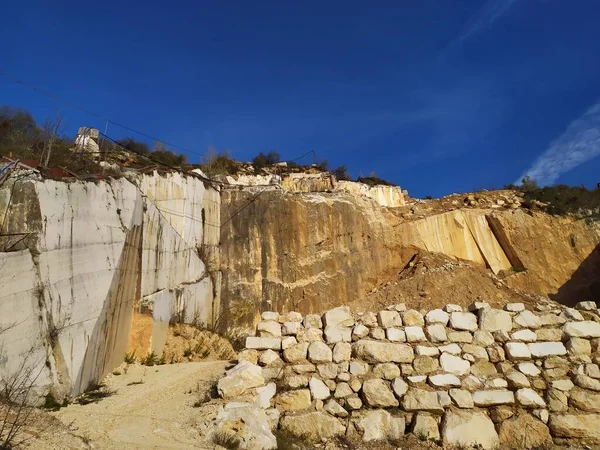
{"x":438,"y":96}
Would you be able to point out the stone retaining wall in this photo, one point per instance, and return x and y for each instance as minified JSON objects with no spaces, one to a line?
{"x":479,"y":377}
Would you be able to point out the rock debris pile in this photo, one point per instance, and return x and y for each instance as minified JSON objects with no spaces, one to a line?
{"x":478,"y":377}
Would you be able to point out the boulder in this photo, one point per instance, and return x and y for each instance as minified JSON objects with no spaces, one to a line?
{"x":437,"y":333}
{"x":293,"y":400}
{"x":579,"y":346}
{"x":545,"y":349}
{"x":465,"y":429}
{"x":380,"y":425}
{"x":483,"y":338}
{"x":312,"y":321}
{"x":585,"y":400}
{"x":239,"y":379}
{"x":494,"y":320}
{"x":296,"y":353}
{"x":270,"y":358}
{"x":288,"y":341}
{"x":584,"y":329}
{"x":338,"y":317}
{"x":313,"y":426}
{"x":246,"y":423}
{"x":335,"y":334}
{"x":514,"y":307}
{"x":414,"y":334}
{"x":425,"y":427}
{"x":265,"y":394}
{"x":526,"y":319}
{"x":343,"y":390}
{"x":269,"y":328}
{"x":524,"y":432}
{"x":360,"y":331}
{"x":463,"y":321}
{"x":437,"y":316}
{"x":354,"y":402}
{"x":524,"y":336}
{"x":342,"y":352}
{"x":318,"y":389}
{"x":395,"y":335}
{"x":517,"y":351}
{"x":413,"y":318}
{"x":376,"y":393}
{"x":586,"y":306}
{"x":389,"y":319}
{"x":586,"y":382}
{"x":358,"y":368}
{"x":328,"y":371}
{"x":375,"y":352}
{"x":583,"y":426}
{"x":422,"y":400}
{"x":450,"y":308}
{"x":387,"y":371}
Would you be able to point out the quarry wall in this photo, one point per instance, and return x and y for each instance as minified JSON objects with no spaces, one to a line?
{"x":92,"y":270}
{"x":476,"y":378}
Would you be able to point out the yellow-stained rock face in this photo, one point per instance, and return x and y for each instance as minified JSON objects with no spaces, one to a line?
{"x":311,"y":251}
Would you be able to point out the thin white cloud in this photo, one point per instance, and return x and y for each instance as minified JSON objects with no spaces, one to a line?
{"x":578,"y":144}
{"x":491,"y":11}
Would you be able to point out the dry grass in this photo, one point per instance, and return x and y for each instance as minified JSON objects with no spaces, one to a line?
{"x":188,"y":343}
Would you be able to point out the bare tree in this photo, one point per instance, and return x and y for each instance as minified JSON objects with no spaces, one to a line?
{"x":52,"y":130}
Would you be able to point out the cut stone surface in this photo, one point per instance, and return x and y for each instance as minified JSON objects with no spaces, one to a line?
{"x":587,"y":382}
{"x":465,"y":429}
{"x":517,"y":351}
{"x":584,"y":329}
{"x":376,"y":393}
{"x":528,"y":398}
{"x":265,"y":394}
{"x":524,"y":336}
{"x":342,"y":352}
{"x":453,"y":349}
{"x":455,"y":365}
{"x":517,"y":380}
{"x":334,"y":408}
{"x":414,"y":334}
{"x":335,"y":334}
{"x":395,"y":334}
{"x":399,"y":387}
{"x":425,"y":364}
{"x":549,"y":334}
{"x":269,"y":315}
{"x":313,"y":426}
{"x":493,"y":398}
{"x":269,"y":328}
{"x":387,"y":371}
{"x":360,"y":331}
{"x":460,"y":336}
{"x":377,"y":333}
{"x":494,"y":320}
{"x":358,"y":368}
{"x":483,"y":338}
{"x":437,"y":316}
{"x":461,"y":398}
{"x":319,"y":352}
{"x":380,"y":425}
{"x":423,"y":350}
{"x":422,"y":400}
{"x":545,"y":349}
{"x":579,"y":346}
{"x":263,"y":343}
{"x":450,"y":308}
{"x":318,"y":389}
{"x":524,"y":432}
{"x":239,"y":379}
{"x":374,"y":352}
{"x":514,"y":307}
{"x":444,"y":380}
{"x":338,"y":317}
{"x":312,"y":321}
{"x":463,"y":321}
{"x":529,"y":369}
{"x":290,"y":328}
{"x":584,"y":426}
{"x":437,"y":333}
{"x":526,"y":319}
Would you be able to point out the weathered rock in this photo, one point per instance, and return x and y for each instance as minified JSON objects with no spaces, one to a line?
{"x":413,"y":318}
{"x":335,"y":334}
{"x":528,"y":369}
{"x":437,"y":333}
{"x":496,"y":353}
{"x":291,"y":328}
{"x":292,"y":316}
{"x":343,"y":390}
{"x":293,"y":400}
{"x":423,"y":350}
{"x":360,"y":331}
{"x":312,"y":321}
{"x":548,"y":334}
{"x":461,"y":398}
{"x":304,"y":368}
{"x":444,"y":380}
{"x":269,"y":315}
{"x":526,"y":319}
{"x":334,"y":408}
{"x":380,"y":425}
{"x":542,"y":414}
{"x":524,"y":432}
{"x":579,"y":346}
{"x":422,"y":400}
{"x":319,"y":352}
{"x":328,"y":371}
{"x":471,"y":383}
{"x":310,"y":335}
{"x":585,"y":426}
{"x":562,"y":385}
{"x":425,"y":364}
{"x":483,"y":369}
{"x":414,"y":334}
{"x":395,"y":334}
{"x":313,"y":426}
{"x":288,"y":341}
{"x":415,"y":380}
{"x":355,"y":385}
{"x":250,"y":356}
{"x":517,"y":380}
{"x":269,"y":328}
{"x":354,"y":402}
{"x":399,"y":387}
{"x":514,"y":307}
{"x":528,"y":398}
{"x":493,"y":398}
{"x":295,"y":381}
{"x":248,"y":423}
{"x":585,"y":400}
{"x":375,"y":352}
{"x":263,"y":343}
{"x":376,"y":393}
{"x":425,"y":427}
{"x":377,"y":333}
{"x":524,"y":336}
{"x":584,"y":329}
{"x":239,"y":379}
{"x":587,"y":382}
{"x":318,"y":389}
{"x":342,"y":352}
{"x":453,"y":349}
{"x":592,"y":370}
{"x":463,"y":321}
{"x":465,"y":429}
{"x":517,"y":351}
{"x":450,"y":308}
{"x":552,"y":320}
{"x":389,"y":319}
{"x":586,"y":306}
{"x":387,"y":371}
{"x":464,"y":337}
{"x":296,"y":353}
{"x":454,"y":364}
{"x":483,"y":338}
{"x":339,"y":316}
{"x":475,"y":350}
{"x":494,"y":320}
{"x":557,"y":400}
{"x":437,"y":316}
{"x":499,"y":414}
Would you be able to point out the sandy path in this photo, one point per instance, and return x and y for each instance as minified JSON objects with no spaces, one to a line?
{"x":156,"y":414}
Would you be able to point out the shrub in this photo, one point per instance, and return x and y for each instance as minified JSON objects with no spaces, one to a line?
{"x":341,"y":173}
{"x":151,"y":360}
{"x":263,"y":160}
{"x":226,"y":439}
{"x":130,"y":357}
{"x":214,"y":163}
